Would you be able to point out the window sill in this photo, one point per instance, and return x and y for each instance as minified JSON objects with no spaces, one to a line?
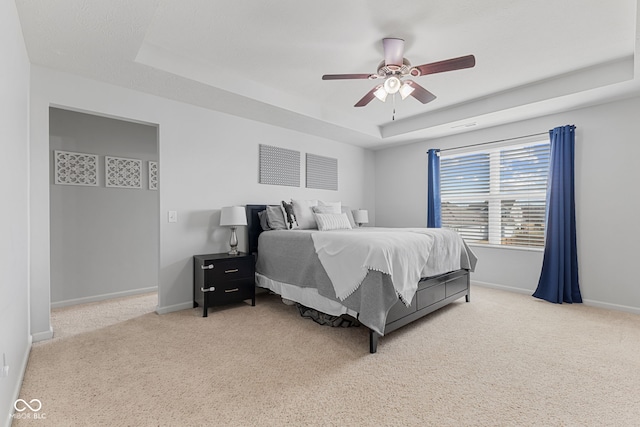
{"x":506,"y":247}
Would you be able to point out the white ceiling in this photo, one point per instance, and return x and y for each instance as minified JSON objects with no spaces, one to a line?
{"x":264,"y":59}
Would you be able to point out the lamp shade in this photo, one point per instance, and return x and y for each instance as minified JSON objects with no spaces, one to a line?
{"x":406,"y":89}
{"x":233,"y":216}
{"x":361,"y":216}
{"x":380,"y":93}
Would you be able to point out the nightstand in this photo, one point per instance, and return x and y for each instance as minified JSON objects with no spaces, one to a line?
{"x":222,"y":279}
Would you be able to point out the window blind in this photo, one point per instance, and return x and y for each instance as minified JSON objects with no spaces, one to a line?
{"x":497,"y":196}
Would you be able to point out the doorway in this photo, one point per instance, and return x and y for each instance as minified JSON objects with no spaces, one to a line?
{"x":104,"y":208}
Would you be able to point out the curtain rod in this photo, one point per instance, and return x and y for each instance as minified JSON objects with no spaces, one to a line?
{"x":495,"y":142}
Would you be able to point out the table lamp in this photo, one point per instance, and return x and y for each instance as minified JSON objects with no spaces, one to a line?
{"x":361,"y":216}
{"x":233,"y":216}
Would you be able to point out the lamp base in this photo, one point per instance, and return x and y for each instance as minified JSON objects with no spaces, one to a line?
{"x":233,"y":242}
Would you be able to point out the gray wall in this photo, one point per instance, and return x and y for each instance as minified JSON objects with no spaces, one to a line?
{"x":15,"y":340}
{"x":104,"y":240}
{"x":607,"y":205}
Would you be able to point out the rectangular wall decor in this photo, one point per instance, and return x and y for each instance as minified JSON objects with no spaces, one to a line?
{"x":279,"y":166}
{"x":322,"y":172}
{"x":122,"y":173}
{"x":153,"y":175}
{"x":75,"y":168}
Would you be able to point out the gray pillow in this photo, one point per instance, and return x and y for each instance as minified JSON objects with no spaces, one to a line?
{"x":275,"y":219}
{"x":347,"y":210}
{"x":262,"y":215}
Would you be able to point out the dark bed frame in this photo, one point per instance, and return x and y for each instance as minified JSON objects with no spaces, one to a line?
{"x":433,"y":292}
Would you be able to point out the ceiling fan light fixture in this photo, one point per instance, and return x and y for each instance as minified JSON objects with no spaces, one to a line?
{"x":380,"y":93}
{"x":392,"y":84}
{"x":406,"y":89}
{"x":394,"y":68}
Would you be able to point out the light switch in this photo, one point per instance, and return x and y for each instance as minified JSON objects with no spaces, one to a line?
{"x":4,"y":369}
{"x":173,"y":216}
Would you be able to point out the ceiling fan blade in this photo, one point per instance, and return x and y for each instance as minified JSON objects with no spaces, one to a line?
{"x":345,"y":76}
{"x":393,"y":51}
{"x":367,"y":98}
{"x":420,"y":93}
{"x":447,"y":65}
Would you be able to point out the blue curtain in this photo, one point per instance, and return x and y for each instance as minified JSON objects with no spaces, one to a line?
{"x":559,"y":278}
{"x":434,"y":219}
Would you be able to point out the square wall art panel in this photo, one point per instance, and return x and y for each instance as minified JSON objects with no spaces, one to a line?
{"x":122,"y":173}
{"x":322,"y":172}
{"x":75,"y":168}
{"x":279,"y":166}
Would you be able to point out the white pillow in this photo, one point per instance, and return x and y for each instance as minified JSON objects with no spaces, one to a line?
{"x":304,"y":214}
{"x":337,"y":206}
{"x":325,"y":210}
{"x":328,"y":222}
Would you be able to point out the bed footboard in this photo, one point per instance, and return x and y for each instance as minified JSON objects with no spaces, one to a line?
{"x":433,"y":293}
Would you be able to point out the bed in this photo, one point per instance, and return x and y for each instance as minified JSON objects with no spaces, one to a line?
{"x":288,"y":263}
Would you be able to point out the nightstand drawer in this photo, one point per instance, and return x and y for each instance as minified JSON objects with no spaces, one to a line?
{"x":219,"y":270}
{"x":236,"y":290}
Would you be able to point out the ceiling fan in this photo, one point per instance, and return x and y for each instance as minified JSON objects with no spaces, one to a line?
{"x":395,"y":69}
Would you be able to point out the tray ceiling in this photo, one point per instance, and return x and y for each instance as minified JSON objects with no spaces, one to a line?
{"x":263,"y":60}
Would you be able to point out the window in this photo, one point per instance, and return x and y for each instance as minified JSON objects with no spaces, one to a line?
{"x":497,"y":196}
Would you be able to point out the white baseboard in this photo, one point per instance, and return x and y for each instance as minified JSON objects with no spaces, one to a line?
{"x":175,"y":307}
{"x":18,"y":385}
{"x":590,"y":303}
{"x":502,"y":287}
{"x":103,"y":297}
{"x":42,"y":336}
{"x":609,"y":306}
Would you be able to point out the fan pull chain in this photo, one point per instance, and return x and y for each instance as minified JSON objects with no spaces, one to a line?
{"x":393,"y":116}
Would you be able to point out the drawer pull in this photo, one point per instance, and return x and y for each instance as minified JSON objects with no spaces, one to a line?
{"x":211,"y":289}
{"x":207,"y":267}
{"x":231,"y":290}
{"x":235,"y":270}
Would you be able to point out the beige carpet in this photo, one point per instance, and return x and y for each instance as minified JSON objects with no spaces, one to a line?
{"x":504,"y":359}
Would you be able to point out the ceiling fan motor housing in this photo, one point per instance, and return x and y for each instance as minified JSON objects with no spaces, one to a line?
{"x":397,"y":70}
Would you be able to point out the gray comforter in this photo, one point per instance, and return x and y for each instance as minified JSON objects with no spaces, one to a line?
{"x":290,"y":257}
